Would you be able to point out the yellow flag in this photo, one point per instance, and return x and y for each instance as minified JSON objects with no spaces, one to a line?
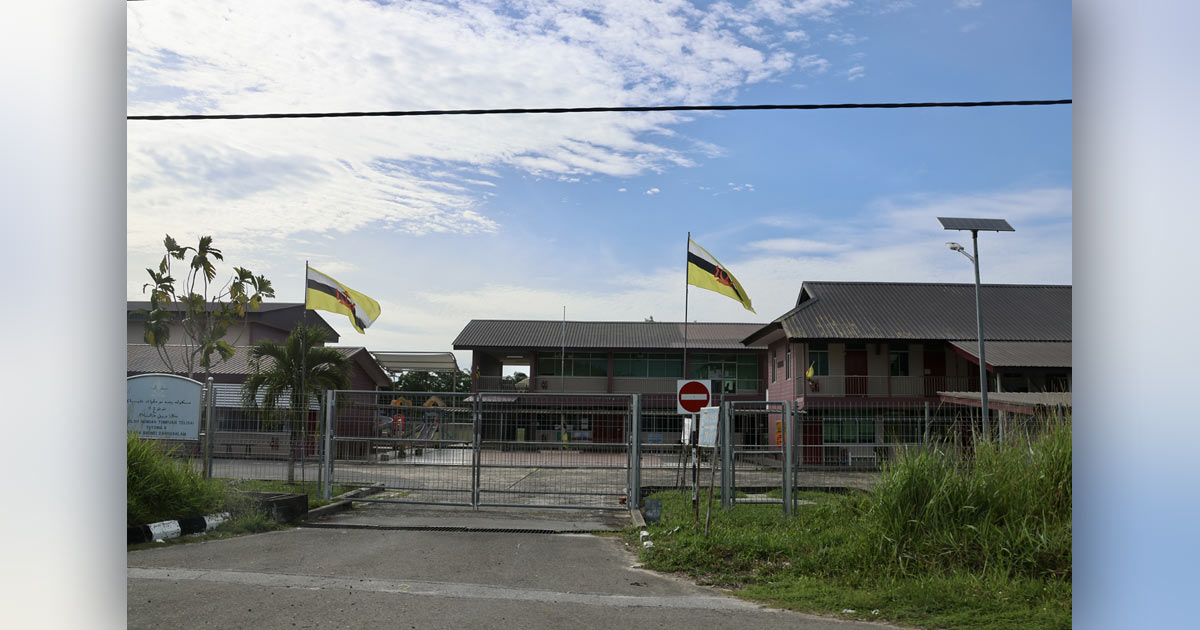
{"x":705,"y":272}
{"x":326,"y":294}
{"x":809,"y":373}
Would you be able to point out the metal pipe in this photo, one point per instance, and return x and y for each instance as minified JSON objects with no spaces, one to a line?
{"x":983,"y":384}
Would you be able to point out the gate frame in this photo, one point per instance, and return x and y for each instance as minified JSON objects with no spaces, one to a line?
{"x":632,"y":430}
{"x":729,"y":451}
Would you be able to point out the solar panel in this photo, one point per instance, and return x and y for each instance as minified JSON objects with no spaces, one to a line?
{"x":959,"y":223}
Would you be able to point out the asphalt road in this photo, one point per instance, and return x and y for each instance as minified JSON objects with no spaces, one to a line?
{"x":363,"y":570}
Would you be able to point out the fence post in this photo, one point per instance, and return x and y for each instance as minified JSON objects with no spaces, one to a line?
{"x":726,"y":443}
{"x":477,"y":444}
{"x":327,"y":456}
{"x":788,"y":452}
{"x":208,"y":431}
{"x":635,"y":452}
{"x":926,"y":440}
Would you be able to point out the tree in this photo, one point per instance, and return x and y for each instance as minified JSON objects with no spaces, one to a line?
{"x":206,"y":319}
{"x":298,"y":368}
{"x":412,"y":381}
{"x":510,"y":381}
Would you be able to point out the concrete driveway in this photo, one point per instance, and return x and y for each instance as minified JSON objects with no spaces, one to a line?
{"x":380,"y":567}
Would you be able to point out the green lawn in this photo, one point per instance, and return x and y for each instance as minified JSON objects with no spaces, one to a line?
{"x":823,"y":561}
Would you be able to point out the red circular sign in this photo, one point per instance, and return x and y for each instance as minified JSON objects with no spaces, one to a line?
{"x":693,"y":396}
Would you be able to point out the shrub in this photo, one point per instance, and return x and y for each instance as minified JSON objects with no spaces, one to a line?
{"x":1006,"y":509}
{"x":160,"y":487}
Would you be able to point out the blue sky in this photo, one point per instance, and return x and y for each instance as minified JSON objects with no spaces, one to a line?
{"x":448,"y":219}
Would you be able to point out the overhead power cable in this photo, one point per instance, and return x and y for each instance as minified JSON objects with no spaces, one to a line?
{"x":590,"y":110}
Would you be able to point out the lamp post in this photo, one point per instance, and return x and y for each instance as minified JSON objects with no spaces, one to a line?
{"x":974,"y":226}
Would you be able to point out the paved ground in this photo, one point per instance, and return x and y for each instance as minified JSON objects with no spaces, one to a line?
{"x":358,"y":571}
{"x":525,"y":477}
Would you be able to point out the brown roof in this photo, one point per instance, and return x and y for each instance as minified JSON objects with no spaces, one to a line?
{"x":925,"y":311}
{"x":282,"y":315}
{"x":549,"y":335}
{"x":144,"y":359}
{"x":1051,"y":354}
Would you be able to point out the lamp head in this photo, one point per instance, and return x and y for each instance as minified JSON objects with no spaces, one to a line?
{"x":955,"y":246}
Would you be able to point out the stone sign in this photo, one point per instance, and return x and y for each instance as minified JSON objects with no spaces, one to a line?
{"x":164,"y":406}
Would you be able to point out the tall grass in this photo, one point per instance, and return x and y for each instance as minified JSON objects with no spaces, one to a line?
{"x":160,"y":487}
{"x":1006,"y":510}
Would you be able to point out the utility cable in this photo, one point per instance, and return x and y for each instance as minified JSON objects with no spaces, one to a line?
{"x":589,"y":110}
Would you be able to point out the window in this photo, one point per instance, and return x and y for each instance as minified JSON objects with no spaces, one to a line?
{"x":898,"y":362}
{"x":648,"y":365}
{"x":848,"y":427}
{"x":818,"y":358}
{"x":729,"y":373}
{"x":787,"y":365}
{"x":576,"y":364}
{"x":774,"y":353}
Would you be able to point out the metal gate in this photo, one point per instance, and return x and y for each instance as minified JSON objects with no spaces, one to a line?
{"x":488,"y":449}
{"x":759,"y":452}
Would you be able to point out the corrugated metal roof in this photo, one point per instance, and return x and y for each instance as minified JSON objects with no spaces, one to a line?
{"x":1020,"y":353}
{"x":548,"y":335}
{"x":282,"y":315}
{"x":229,"y":395}
{"x":417,"y":361}
{"x":144,"y":359}
{"x":918,"y":311}
{"x":1030,"y":399}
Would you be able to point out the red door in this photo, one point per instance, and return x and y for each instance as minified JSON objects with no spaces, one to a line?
{"x":856,"y":372}
{"x":935,"y":372}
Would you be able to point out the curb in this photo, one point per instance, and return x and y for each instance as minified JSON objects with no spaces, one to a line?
{"x":174,"y":529}
{"x":635,"y":515}
{"x":344,"y":503}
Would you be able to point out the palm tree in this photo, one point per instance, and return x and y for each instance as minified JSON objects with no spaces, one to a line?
{"x":300,"y":365}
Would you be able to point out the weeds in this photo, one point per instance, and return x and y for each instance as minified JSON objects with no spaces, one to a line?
{"x":979,"y":542}
{"x":159,"y":487}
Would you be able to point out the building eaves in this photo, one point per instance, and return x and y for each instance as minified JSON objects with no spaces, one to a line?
{"x":550,"y":335}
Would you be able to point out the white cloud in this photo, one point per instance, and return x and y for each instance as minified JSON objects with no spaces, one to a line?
{"x":427,"y":175}
{"x":846,"y":39}
{"x":813,"y":63}
{"x":652,"y":191}
{"x":856,"y":72}
{"x":968,"y":4}
{"x":795,"y":246}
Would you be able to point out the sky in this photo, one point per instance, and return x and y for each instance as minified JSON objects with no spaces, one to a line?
{"x":447,"y":219}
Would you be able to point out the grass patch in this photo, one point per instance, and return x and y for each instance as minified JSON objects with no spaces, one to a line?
{"x":161,"y":487}
{"x":980,"y":544}
{"x":311,"y":488}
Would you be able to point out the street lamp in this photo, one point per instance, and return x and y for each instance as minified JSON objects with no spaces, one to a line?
{"x":974,"y":226}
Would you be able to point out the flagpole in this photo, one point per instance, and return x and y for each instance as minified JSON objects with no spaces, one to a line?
{"x":303,"y":356}
{"x":683,"y":447}
{"x":685,"y":303}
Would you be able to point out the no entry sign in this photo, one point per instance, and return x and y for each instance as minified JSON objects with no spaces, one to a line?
{"x":692,"y":396}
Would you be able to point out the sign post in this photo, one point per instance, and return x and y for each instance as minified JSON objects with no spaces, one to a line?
{"x":691,"y":396}
{"x":710,"y":422}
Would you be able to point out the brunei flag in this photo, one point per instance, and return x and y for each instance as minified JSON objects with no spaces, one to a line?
{"x":326,"y":294}
{"x":705,"y":272}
